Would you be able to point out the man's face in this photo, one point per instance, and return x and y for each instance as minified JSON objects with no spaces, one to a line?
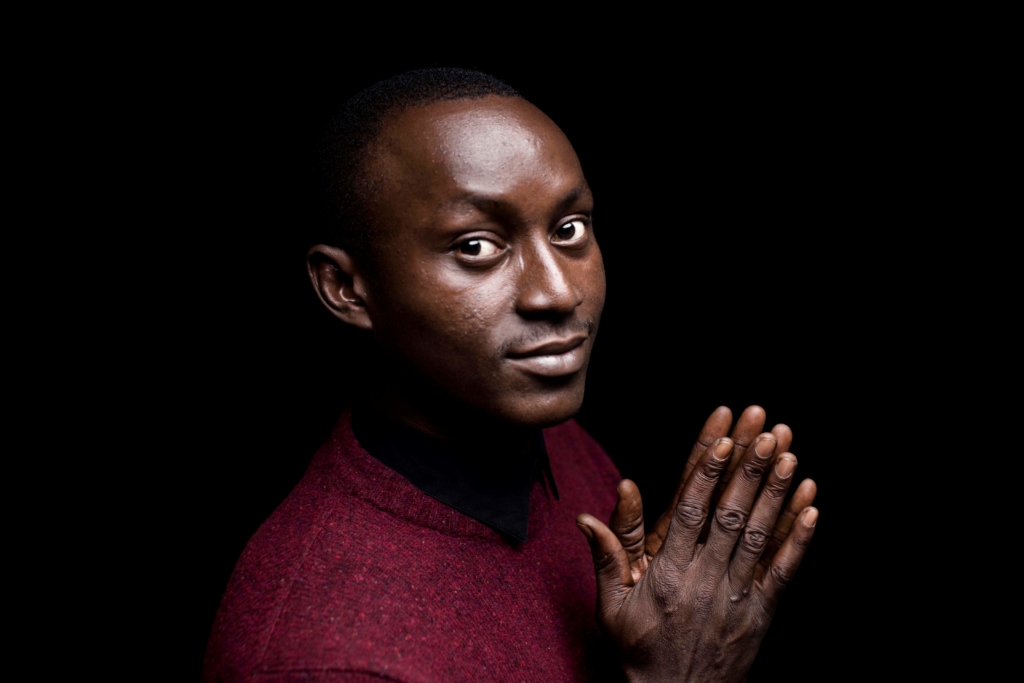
{"x":486,"y":274}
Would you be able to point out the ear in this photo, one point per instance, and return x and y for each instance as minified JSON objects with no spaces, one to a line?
{"x":339,"y":284}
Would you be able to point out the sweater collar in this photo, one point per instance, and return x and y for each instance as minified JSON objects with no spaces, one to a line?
{"x":489,"y":485}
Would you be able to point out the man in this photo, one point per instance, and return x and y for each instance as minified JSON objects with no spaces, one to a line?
{"x":435,"y":536}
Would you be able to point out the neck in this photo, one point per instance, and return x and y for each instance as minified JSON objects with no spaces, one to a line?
{"x":440,"y":416}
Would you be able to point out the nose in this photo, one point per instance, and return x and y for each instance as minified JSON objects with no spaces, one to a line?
{"x":546,"y":285}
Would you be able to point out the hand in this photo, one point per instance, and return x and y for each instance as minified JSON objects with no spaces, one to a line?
{"x":629,"y":513}
{"x":683,"y":609}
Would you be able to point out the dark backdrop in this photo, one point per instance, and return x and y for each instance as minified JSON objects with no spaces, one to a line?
{"x":737,"y":211}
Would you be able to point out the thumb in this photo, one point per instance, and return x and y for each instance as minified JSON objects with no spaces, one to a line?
{"x":611,"y":564}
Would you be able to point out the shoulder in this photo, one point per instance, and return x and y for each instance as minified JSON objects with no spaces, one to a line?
{"x":345,"y":574}
{"x":271,"y":569}
{"x":320,"y":544}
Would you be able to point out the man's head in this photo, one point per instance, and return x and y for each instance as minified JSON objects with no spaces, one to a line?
{"x":472,"y":258}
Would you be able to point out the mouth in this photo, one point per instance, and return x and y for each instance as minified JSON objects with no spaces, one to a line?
{"x":554,"y":358}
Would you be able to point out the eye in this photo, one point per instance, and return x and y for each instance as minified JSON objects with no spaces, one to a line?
{"x":571,"y":233}
{"x":478,"y":248}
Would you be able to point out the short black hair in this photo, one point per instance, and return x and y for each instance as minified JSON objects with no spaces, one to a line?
{"x":358,"y":123}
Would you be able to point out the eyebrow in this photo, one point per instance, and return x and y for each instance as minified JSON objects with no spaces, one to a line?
{"x":497,"y":206}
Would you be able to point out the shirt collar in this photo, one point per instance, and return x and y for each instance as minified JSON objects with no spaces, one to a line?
{"x":489,"y":485}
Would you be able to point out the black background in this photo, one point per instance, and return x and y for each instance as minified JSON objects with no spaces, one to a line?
{"x":739,"y":214}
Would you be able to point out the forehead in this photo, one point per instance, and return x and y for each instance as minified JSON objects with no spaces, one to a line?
{"x":439,"y":157}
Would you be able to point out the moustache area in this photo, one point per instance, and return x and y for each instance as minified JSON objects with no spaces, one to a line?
{"x":545,"y":333}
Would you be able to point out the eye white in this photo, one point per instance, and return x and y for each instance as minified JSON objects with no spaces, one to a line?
{"x":478,"y":248}
{"x":571,"y":231}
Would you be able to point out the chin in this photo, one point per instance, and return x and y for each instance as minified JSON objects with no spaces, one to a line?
{"x":545,"y":408}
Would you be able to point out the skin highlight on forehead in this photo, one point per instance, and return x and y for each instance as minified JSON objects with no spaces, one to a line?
{"x":464,"y":155}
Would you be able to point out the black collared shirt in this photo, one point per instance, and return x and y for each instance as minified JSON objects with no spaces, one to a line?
{"x":492,"y":485}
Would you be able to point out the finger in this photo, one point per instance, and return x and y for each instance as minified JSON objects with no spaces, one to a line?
{"x":802,"y":498}
{"x":688,"y":518}
{"x":747,"y":428}
{"x":784,"y":436}
{"x":734,"y":507}
{"x":715,"y":427}
{"x":614,"y":580}
{"x":784,"y":565}
{"x":627,"y":523}
{"x":754,"y":539}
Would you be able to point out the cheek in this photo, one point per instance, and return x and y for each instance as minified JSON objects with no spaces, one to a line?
{"x":448,"y":323}
{"x":474,"y":320}
{"x":460,"y":349}
{"x":594,"y":284}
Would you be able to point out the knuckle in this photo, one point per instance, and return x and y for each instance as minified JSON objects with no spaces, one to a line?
{"x":666,"y":588}
{"x":780,"y":575}
{"x":740,"y":595}
{"x":604,"y":562}
{"x":663,"y":597}
{"x":776,"y":488}
{"x":754,"y":539}
{"x":801,"y":541}
{"x":633,"y":546}
{"x":730,"y":519}
{"x":711,"y":469}
{"x":691,"y":516}
{"x":753,"y":470}
{"x":631,"y":530}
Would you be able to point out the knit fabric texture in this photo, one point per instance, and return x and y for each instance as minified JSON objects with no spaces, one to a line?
{"x":359,"y":576}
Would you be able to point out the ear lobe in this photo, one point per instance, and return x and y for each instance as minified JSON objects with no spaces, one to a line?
{"x":338,"y":283}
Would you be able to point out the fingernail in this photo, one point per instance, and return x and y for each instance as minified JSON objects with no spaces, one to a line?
{"x":764,"y":448}
{"x":587,"y":531}
{"x":722,"y":449}
{"x":784,"y":469}
{"x":811,"y":518}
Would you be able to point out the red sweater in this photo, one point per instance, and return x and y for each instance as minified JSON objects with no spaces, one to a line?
{"x":359,"y":576}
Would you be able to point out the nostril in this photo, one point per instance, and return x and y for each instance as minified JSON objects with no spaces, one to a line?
{"x":548,"y":294}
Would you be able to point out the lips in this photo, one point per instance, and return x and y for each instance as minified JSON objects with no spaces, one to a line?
{"x":554,"y":358}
